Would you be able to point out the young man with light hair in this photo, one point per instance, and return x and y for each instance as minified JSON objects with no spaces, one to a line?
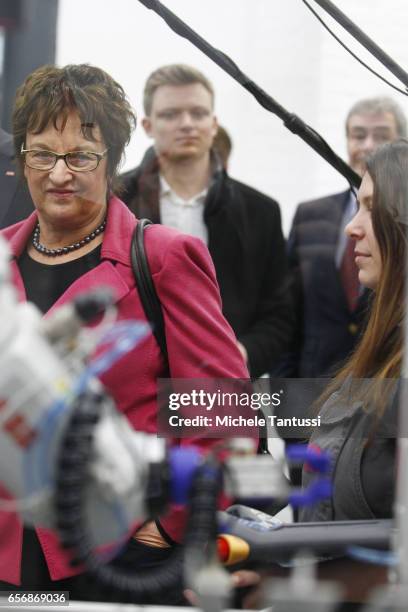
{"x":182,"y":183}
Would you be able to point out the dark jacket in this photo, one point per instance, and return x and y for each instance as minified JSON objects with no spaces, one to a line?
{"x":15,"y":201}
{"x":362,"y":452}
{"x":326,"y":330}
{"x":248,"y":250}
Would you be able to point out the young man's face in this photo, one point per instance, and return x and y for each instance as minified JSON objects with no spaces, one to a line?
{"x":365,"y":133}
{"x":181,"y":123}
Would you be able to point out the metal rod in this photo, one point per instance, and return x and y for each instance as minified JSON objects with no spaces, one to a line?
{"x":364,"y":40}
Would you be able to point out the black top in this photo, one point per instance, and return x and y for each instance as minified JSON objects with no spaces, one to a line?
{"x":45,"y":283}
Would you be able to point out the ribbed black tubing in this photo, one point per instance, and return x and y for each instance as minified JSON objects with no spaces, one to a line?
{"x":71,"y":481}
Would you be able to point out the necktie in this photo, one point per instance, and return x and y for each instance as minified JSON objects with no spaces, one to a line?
{"x":349,"y":275}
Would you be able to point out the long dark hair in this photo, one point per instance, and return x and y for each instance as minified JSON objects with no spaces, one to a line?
{"x":378,"y":355}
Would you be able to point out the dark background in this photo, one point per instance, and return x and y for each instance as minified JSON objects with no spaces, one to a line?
{"x":28,"y":37}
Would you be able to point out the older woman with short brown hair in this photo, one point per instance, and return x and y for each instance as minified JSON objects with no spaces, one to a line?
{"x":71,"y":126}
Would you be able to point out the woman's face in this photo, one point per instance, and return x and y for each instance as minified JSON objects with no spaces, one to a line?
{"x":65,"y":198}
{"x":360,"y":228}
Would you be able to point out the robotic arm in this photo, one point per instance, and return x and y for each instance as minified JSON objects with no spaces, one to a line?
{"x":70,"y":461}
{"x":42,"y":380}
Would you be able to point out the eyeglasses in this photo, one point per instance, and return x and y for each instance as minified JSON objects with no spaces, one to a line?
{"x":78,"y":161}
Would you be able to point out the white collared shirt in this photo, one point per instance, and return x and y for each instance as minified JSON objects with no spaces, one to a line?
{"x":184,"y":215}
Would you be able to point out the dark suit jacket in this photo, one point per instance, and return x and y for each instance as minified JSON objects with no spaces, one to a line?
{"x":248,"y":250}
{"x":326,"y":331}
{"x":15,"y":200}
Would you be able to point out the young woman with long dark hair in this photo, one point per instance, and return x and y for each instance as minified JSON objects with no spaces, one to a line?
{"x":359,"y":409}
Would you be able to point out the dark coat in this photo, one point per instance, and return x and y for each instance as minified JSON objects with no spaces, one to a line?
{"x":362,"y":473}
{"x":15,"y":200}
{"x":248,"y":250}
{"x":326,"y":330}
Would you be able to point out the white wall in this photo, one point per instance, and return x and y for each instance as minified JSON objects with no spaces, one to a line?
{"x":278,"y":43}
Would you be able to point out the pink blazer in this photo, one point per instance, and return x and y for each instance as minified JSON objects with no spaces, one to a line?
{"x":200,"y":344}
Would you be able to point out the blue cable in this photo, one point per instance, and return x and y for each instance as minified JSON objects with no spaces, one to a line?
{"x":124,"y":335}
{"x":375,"y":557}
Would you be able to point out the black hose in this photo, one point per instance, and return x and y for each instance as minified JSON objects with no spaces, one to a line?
{"x":290,"y":120}
{"x":72,"y":477}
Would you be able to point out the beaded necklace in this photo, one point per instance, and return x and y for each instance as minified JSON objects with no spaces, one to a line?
{"x":69,"y":248}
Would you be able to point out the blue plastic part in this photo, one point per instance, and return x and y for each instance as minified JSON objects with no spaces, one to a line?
{"x":316,"y":491}
{"x":183,"y":463}
{"x":375,"y":557}
{"x":319,"y":461}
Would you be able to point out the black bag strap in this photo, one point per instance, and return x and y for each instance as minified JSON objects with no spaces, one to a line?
{"x":263,"y":436}
{"x":152,"y":306}
{"x":147,"y":292}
